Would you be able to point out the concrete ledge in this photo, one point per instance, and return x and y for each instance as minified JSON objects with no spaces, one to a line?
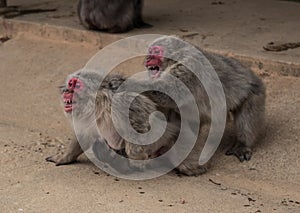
{"x":13,"y":28}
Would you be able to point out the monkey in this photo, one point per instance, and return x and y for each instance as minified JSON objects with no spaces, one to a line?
{"x":114,"y":16}
{"x":77,"y":95}
{"x":244,"y":91}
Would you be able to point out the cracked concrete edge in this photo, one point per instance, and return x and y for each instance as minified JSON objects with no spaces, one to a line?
{"x":12,"y":28}
{"x":264,"y":66}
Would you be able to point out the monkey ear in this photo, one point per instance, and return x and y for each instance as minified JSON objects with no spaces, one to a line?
{"x":115,"y":83}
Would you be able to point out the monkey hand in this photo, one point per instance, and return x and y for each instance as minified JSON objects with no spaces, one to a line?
{"x":61,"y":159}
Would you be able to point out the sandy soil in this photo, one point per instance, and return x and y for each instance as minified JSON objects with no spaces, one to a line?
{"x":32,"y":127}
{"x":32,"y":124}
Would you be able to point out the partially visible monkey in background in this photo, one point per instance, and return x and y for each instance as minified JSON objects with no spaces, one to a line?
{"x":114,"y":16}
{"x":77,"y":95}
{"x":244,"y":91}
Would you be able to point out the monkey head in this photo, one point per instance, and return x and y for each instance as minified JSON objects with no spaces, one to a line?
{"x":73,"y":87}
{"x":78,"y":93}
{"x":154,"y":61}
{"x":83,"y":88}
{"x":159,"y":52}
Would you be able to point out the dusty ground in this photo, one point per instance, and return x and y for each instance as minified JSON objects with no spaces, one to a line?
{"x":32,"y":127}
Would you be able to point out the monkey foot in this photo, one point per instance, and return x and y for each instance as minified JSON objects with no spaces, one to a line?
{"x":142,"y":24}
{"x":191,"y":169}
{"x":242,"y":152}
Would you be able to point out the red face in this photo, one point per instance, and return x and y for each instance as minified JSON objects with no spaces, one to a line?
{"x":74,"y":86}
{"x":154,"y":61}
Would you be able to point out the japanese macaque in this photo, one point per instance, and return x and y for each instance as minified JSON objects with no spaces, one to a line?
{"x":115,"y":16}
{"x":244,"y":91}
{"x":84,"y":97}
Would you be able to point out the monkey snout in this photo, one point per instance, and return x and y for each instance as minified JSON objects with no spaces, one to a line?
{"x":68,"y":98}
{"x":65,"y":90}
{"x":71,"y":84}
{"x":150,"y":56}
{"x":75,"y":84}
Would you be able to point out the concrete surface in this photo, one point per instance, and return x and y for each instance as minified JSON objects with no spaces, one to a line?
{"x":235,"y":27}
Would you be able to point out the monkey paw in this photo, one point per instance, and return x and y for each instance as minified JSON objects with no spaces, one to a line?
{"x":191,"y":169}
{"x":59,"y":159}
{"x":242,"y":152}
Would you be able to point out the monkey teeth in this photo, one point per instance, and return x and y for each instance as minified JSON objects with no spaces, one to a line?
{"x":154,"y":68}
{"x":68,"y":101}
{"x":69,"y":105}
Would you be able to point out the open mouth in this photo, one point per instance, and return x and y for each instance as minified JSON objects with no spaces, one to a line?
{"x":69,"y":105}
{"x":68,"y":102}
{"x":154,"y":71}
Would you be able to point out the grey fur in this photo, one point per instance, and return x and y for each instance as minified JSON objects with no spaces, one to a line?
{"x":140,"y":110}
{"x":114,"y":16}
{"x":244,"y":92}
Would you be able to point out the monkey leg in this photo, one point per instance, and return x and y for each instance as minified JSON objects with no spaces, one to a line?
{"x":70,"y":156}
{"x":118,"y":29}
{"x":139,"y":23}
{"x":249,"y":120}
{"x":190,"y":166}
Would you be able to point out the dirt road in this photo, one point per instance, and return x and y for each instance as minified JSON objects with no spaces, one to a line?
{"x":32,"y":127}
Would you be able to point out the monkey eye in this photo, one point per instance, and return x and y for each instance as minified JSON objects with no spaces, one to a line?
{"x":77,"y":86}
{"x":156,"y":52}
